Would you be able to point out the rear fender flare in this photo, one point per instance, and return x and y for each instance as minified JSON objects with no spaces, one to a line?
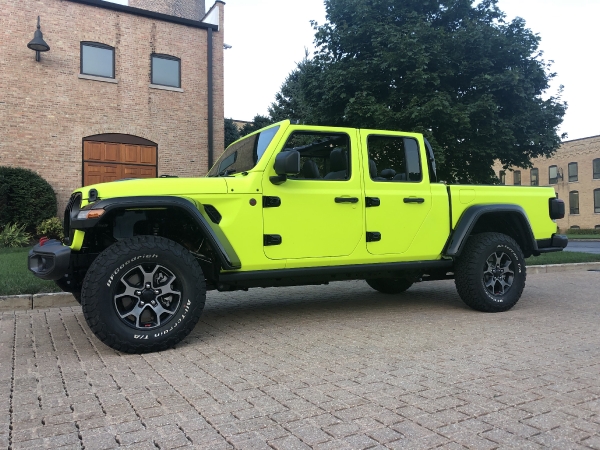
{"x":467,"y":222}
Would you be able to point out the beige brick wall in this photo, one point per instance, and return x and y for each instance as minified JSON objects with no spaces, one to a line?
{"x":583,"y":152}
{"x":189,"y":9}
{"x":46,"y":110}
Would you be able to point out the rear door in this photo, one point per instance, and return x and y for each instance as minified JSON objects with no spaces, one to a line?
{"x":398,"y":195}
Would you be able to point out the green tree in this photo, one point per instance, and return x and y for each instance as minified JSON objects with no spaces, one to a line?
{"x":257,"y":123}
{"x":232,"y":133}
{"x":456,"y":71}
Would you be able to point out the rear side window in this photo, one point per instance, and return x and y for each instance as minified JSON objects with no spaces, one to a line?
{"x":394,"y":158}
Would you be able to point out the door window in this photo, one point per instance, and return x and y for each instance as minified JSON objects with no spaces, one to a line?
{"x":323,"y":156}
{"x":394,"y":159}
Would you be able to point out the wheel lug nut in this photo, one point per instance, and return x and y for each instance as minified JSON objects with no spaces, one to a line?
{"x":156,"y":291}
{"x":142,"y":303}
{"x":153,"y":302}
{"x":147,"y":285}
{"x":138,"y":292}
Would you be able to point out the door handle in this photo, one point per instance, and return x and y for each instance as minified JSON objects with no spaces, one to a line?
{"x":346,"y":200}
{"x":413,"y":200}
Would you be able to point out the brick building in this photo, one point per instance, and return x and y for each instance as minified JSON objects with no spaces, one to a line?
{"x":574,"y":172}
{"x":124,"y":91}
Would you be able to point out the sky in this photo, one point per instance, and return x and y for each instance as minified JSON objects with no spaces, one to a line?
{"x":268,"y":39}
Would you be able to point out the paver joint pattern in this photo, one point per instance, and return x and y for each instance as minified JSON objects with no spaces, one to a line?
{"x":323,"y":367}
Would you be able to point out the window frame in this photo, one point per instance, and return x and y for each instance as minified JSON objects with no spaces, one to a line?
{"x":571,"y":208}
{"x":537,"y":176}
{"x":502,"y":177}
{"x":163,"y":56}
{"x":571,"y":164}
{"x":97,"y":45}
{"x":597,"y":203}
{"x":515,"y":173}
{"x":596,"y":175}
{"x":549,"y":178}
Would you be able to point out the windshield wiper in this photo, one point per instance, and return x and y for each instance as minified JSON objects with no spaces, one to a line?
{"x":226,"y":172}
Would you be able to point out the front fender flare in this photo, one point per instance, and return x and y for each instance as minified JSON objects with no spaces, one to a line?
{"x":217,"y":239}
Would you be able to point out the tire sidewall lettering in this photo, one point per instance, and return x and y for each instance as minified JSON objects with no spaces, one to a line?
{"x":126,"y":263}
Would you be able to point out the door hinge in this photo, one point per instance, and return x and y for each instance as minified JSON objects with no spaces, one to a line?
{"x":271,"y":202}
{"x":373,"y":236}
{"x":271,"y":239}
{"x":372,"y":201}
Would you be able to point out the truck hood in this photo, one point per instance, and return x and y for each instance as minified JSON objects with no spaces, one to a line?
{"x":156,"y":186}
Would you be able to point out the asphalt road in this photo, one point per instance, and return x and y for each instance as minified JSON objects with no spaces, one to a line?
{"x":321,"y":367}
{"x":584,"y":247}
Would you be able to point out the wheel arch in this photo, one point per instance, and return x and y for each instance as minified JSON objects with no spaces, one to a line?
{"x":192,"y":210}
{"x":502,"y":218}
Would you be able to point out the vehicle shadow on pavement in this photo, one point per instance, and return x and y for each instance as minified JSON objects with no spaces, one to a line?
{"x":341,"y":302}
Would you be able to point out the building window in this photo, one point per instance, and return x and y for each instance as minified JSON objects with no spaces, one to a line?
{"x":596,"y":165}
{"x":597,"y":227}
{"x":574,"y":202}
{"x":573,"y":172}
{"x":535,"y":174}
{"x":552,"y":175}
{"x":166,"y":70}
{"x":97,"y":59}
{"x":502,"y":177}
{"x":517,"y":178}
{"x":597,"y":200}
{"x":574,"y":227}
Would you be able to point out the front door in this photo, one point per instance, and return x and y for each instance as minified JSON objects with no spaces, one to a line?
{"x":398,"y":198}
{"x":318,"y":213}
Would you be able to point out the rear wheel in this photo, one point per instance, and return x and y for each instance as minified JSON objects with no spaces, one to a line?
{"x":389,"y":285}
{"x":490,"y":273}
{"x":143,"y":294}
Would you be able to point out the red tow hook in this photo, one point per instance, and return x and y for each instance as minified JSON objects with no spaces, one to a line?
{"x":43,"y":240}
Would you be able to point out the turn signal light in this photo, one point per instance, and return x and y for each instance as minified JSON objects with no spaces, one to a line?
{"x":90,"y":214}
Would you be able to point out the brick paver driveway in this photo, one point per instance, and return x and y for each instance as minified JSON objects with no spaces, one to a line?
{"x":337,"y":366}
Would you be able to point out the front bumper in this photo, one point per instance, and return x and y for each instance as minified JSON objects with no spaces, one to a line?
{"x":555,"y":244}
{"x":49,"y":261}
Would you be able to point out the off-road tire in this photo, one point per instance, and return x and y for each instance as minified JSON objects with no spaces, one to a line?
{"x":490,"y":287}
{"x":147,"y":260}
{"x":389,"y":285}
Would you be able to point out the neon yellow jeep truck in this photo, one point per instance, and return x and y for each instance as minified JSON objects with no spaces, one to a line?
{"x":291,"y":205}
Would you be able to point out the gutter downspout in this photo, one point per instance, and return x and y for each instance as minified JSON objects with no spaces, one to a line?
{"x":209,"y":57}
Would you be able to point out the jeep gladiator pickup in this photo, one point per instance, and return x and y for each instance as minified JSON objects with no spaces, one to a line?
{"x":291,"y":205}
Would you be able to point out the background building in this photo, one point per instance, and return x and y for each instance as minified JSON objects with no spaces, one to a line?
{"x":574,"y":172}
{"x":124,"y":91}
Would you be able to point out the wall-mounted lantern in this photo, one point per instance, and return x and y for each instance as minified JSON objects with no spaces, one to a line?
{"x":37,"y":43}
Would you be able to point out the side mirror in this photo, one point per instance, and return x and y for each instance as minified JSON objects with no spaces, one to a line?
{"x":286,"y":163}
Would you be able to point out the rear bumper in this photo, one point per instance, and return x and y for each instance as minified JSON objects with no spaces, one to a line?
{"x":555,"y":244}
{"x":49,"y":261}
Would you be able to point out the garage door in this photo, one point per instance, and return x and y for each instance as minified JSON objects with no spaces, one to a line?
{"x":110,"y":161}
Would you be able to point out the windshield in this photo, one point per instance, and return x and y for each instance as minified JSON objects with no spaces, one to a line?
{"x":243,"y":155}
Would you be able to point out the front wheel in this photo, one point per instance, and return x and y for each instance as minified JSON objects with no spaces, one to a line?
{"x":490,"y":273}
{"x":143,"y":294}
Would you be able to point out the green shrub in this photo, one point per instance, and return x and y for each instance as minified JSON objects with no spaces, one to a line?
{"x":575,"y":231}
{"x":14,"y":236}
{"x":51,"y":228}
{"x":25,"y":198}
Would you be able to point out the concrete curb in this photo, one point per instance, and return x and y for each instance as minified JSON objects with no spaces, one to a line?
{"x":36,"y":301}
{"x":64,"y":299}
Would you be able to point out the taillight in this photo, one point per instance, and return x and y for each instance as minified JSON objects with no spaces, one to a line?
{"x":557,"y":208}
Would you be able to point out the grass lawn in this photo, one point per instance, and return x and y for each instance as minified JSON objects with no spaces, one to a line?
{"x":562,"y":258}
{"x":15,"y":277}
{"x":583,"y":236}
